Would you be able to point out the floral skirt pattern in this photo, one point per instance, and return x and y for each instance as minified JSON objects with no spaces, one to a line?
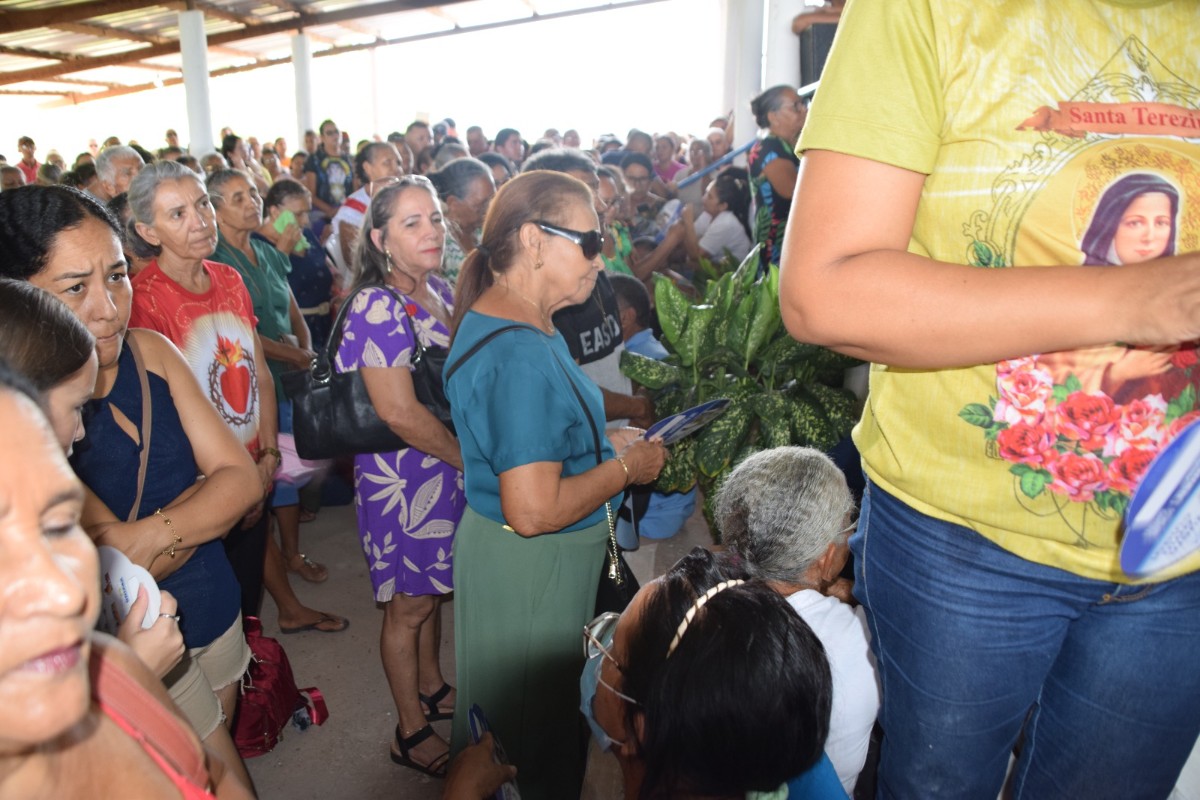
{"x":409,"y":505}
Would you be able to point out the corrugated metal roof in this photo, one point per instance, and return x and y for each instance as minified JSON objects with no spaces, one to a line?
{"x":66,"y":39}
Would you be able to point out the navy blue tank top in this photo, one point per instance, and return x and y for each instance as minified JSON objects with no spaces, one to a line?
{"x":107,"y":461}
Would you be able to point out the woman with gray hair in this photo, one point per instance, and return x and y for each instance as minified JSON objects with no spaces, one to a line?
{"x":466,"y":186}
{"x":785,"y":515}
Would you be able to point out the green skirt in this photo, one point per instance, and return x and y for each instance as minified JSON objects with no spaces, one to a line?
{"x":520,"y":605}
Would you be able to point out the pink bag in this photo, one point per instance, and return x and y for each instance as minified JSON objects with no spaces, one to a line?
{"x":270,"y":699}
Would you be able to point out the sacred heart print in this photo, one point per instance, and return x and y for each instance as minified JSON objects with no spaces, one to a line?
{"x":220,"y":351}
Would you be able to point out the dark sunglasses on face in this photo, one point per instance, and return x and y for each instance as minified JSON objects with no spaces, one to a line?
{"x":590,"y":242}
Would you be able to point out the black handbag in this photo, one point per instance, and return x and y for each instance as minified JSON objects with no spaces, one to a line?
{"x":332,"y":414}
{"x":617,"y":583}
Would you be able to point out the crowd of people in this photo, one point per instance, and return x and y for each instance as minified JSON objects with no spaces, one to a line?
{"x":164,"y":294}
{"x":150,"y":302}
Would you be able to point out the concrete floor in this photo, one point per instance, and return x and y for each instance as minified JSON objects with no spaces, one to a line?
{"x":347,"y":757}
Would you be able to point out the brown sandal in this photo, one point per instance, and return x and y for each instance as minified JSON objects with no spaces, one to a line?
{"x":308,"y":569}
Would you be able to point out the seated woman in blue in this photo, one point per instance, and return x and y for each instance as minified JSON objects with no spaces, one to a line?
{"x":540,"y":478}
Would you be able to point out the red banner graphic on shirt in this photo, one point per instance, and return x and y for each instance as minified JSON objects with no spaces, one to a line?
{"x":1079,"y":119}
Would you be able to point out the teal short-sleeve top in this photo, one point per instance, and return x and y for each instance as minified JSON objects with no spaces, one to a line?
{"x":513,"y":404}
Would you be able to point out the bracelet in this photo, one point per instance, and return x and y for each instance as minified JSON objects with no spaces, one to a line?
{"x":270,"y":451}
{"x":176,"y":540}
{"x":625,"y":467}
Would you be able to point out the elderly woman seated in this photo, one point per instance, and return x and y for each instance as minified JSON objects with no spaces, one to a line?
{"x":785,"y":516}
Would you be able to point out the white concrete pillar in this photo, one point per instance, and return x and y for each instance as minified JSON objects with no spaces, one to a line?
{"x":302,"y":68}
{"x":731,"y":46}
{"x":748,"y":60}
{"x":781,"y":47}
{"x":193,"y":47}
{"x":376,"y":89}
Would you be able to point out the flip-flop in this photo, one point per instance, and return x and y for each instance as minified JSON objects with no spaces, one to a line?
{"x":431,"y":702}
{"x":434,"y":769}
{"x":310,"y":570}
{"x":315,"y":626}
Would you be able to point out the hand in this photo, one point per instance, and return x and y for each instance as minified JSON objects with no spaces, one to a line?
{"x":645,"y":460}
{"x":287,"y":241}
{"x":253,"y":515}
{"x":841,"y":589}
{"x":645,"y":417}
{"x":304,"y":357}
{"x":141,"y":541}
{"x":620,"y":438}
{"x":267,"y":464}
{"x":160,"y":646}
{"x":475,"y":774}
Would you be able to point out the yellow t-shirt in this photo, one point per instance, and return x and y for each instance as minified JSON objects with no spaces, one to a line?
{"x":1052,"y":132}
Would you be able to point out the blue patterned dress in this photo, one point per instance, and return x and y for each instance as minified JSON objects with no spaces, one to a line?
{"x":409,"y":503}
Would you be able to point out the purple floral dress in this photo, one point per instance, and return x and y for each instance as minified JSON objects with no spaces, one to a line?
{"x":409,"y":503}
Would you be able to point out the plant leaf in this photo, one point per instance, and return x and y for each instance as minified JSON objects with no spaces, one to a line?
{"x":672,"y":308}
{"x":649,"y":372}
{"x":722,"y":437}
{"x":691,"y":343}
{"x":766,"y":320}
{"x":809,"y":425}
{"x":679,"y":473}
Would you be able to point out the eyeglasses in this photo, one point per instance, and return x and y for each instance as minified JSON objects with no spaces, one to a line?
{"x":638,"y":179}
{"x":597,"y":639}
{"x":590,"y":242}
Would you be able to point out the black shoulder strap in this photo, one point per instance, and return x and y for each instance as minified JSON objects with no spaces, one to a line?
{"x":475,"y":348}
{"x":583,"y":407}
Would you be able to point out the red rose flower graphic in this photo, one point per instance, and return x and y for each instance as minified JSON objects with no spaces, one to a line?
{"x":1079,"y":477}
{"x":1027,"y":444}
{"x":1088,"y":418}
{"x":1127,"y":469}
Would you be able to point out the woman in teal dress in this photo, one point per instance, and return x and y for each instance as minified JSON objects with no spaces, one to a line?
{"x":531,"y":544}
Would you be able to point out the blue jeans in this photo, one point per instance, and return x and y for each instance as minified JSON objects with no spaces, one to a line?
{"x":975,"y":645}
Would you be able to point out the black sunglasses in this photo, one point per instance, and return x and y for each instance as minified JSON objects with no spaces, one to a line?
{"x":590,"y":242}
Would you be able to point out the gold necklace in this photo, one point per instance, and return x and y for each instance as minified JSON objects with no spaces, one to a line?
{"x":549,"y":328}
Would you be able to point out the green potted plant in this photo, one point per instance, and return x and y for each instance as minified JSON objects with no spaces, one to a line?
{"x":733,"y":344}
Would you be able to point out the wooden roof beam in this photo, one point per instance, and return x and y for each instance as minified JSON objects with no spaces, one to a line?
{"x":52,"y":16}
{"x":171,"y":48}
{"x":109,"y":32}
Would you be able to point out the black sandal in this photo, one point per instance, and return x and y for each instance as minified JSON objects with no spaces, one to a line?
{"x":431,"y":703}
{"x":435,"y":768}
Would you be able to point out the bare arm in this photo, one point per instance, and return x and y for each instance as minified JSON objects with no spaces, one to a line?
{"x":395,"y":401}
{"x":225,"y":783}
{"x":537,"y":499}
{"x":781,"y":174}
{"x":310,"y":183}
{"x":347,"y":238}
{"x":658,"y":259}
{"x":638,"y":409}
{"x":848,"y":282}
{"x":299,"y":326}
{"x":691,"y":242}
{"x":299,"y":355}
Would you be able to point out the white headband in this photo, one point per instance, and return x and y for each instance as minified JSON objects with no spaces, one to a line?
{"x":696,"y":606}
